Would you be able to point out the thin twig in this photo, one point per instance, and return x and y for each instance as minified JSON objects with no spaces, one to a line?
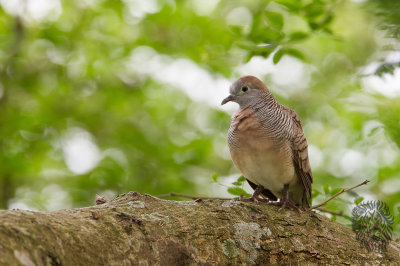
{"x":331,"y":212}
{"x":337,"y":194}
{"x":173,"y":194}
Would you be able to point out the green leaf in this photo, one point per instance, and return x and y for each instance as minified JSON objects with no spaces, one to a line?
{"x":268,"y":35}
{"x":295,"y":53}
{"x":327,"y":188}
{"x":264,"y":51}
{"x":277,"y":56}
{"x":327,"y":30}
{"x":237,"y":30}
{"x":386,"y":68}
{"x":313,"y":10}
{"x":358,"y":200}
{"x":247,"y":45}
{"x":347,"y":217}
{"x":237,"y":191}
{"x":241,"y":179}
{"x":214,"y":177}
{"x":292,"y":5}
{"x":397,"y":218}
{"x":275,"y":19}
{"x":313,"y":25}
{"x":328,"y":19}
{"x":334,"y":191}
{"x":315,"y":193}
{"x":298,"y":35}
{"x":273,"y":36}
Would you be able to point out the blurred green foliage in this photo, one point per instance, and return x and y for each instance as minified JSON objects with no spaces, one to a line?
{"x":68,"y":84}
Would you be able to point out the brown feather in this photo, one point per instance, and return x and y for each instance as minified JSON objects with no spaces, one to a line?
{"x":300,"y":156}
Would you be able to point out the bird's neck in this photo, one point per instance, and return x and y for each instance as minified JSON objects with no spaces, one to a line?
{"x":264,"y":101}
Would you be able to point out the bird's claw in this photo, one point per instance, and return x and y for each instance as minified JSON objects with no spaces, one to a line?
{"x":284,"y":204}
{"x":253,"y":199}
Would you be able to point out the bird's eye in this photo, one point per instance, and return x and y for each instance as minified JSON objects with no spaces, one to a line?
{"x":245,"y":88}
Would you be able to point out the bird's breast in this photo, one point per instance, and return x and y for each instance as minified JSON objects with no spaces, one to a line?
{"x":247,"y":130}
{"x":259,"y":156}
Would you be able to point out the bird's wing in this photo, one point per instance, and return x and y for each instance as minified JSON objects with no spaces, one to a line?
{"x":300,"y":155}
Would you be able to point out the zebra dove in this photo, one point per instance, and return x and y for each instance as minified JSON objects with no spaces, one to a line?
{"x":268,"y":146}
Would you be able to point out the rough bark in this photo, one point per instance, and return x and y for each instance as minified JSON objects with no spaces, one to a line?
{"x":136,"y":229}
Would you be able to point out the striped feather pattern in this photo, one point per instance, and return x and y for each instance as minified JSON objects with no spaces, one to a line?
{"x":282,"y":125}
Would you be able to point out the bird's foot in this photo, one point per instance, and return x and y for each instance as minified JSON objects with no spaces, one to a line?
{"x":253,"y":199}
{"x":285,"y":203}
{"x":256,"y":196}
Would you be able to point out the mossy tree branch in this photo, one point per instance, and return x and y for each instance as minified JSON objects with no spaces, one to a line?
{"x":142,"y":229}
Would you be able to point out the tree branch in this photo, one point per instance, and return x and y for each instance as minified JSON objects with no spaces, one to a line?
{"x":337,"y":194}
{"x":135,"y":229}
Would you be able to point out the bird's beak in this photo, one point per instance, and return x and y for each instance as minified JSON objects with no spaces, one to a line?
{"x":228,"y":99}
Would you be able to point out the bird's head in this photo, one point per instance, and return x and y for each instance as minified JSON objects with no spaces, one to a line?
{"x":247,"y":90}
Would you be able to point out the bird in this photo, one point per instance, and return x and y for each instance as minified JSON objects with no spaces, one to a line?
{"x":268,"y":146}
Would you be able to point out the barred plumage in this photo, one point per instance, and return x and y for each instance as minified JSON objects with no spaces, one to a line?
{"x":267,"y":143}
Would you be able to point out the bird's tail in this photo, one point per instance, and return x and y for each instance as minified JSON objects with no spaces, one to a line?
{"x":306,"y":203}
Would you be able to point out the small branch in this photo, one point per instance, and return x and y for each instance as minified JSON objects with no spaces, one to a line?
{"x":337,"y":194}
{"x":331,"y":212}
{"x":173,"y":194}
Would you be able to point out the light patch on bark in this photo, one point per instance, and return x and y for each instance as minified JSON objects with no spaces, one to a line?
{"x":137,"y":204}
{"x":143,"y":263}
{"x":298,"y":246}
{"x":155,"y":216}
{"x":249,"y":237}
{"x":267,"y":231}
{"x":187,"y":202}
{"x":23,"y":258}
{"x":229,"y":248}
{"x":394,"y":247}
{"x":230,"y":203}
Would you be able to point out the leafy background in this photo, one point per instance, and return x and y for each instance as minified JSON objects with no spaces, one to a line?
{"x":104,"y":97}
